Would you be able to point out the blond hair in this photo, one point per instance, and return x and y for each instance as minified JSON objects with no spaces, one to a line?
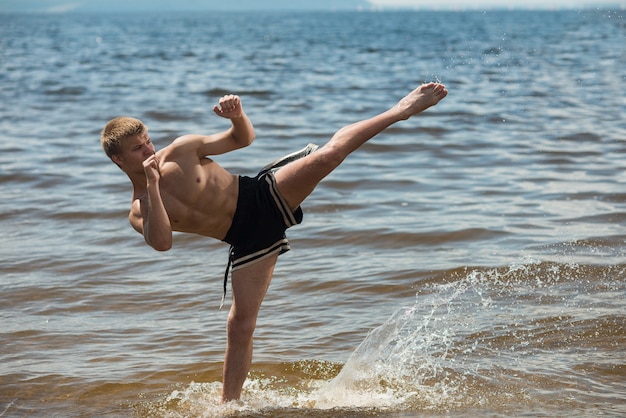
{"x":117,"y":130}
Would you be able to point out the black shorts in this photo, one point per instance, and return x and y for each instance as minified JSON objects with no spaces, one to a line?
{"x":261,"y":219}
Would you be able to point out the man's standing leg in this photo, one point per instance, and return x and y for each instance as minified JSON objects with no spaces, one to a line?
{"x":249,"y":285}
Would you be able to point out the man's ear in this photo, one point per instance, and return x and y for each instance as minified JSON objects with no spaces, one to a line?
{"x":117,"y":159}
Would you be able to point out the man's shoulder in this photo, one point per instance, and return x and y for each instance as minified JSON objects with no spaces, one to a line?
{"x":181,"y":145}
{"x":135,"y":206}
{"x":135,"y":216}
{"x":187,"y":140}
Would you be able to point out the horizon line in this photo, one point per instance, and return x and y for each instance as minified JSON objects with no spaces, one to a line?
{"x":372,"y":9}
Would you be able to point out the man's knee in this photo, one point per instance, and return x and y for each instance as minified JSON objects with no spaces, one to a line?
{"x":240,"y":328}
{"x":331,"y":156}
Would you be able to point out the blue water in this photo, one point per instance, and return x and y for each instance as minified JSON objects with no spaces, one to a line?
{"x":470,"y":260}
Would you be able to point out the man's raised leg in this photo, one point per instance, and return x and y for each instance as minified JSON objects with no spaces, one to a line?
{"x":298,"y":179}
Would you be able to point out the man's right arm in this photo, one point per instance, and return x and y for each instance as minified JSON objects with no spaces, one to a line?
{"x":148,"y":215}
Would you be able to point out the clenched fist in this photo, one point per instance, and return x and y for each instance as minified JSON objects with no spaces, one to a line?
{"x":229,"y":107}
{"x":151,"y":168}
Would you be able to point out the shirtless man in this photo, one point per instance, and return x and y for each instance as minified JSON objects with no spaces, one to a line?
{"x":180,"y":189}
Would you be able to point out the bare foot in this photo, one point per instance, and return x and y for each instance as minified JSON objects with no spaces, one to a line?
{"x":420,"y":99}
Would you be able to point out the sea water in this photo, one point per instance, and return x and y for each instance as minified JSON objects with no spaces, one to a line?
{"x":468,"y":261}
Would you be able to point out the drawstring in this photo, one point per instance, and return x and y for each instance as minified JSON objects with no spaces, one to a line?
{"x":231,"y":255}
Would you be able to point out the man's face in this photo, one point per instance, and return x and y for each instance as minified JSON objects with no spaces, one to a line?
{"x":135,"y":150}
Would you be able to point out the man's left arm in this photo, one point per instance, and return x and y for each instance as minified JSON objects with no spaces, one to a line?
{"x":240,"y":135}
{"x":242,"y":131}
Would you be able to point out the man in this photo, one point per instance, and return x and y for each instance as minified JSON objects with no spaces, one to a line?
{"x":179,"y":189}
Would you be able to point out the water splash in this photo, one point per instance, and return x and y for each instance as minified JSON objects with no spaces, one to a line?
{"x":484,"y":337}
{"x":407,"y":362}
{"x":507,"y":339}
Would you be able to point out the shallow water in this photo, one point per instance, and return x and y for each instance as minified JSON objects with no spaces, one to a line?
{"x":468,"y":261}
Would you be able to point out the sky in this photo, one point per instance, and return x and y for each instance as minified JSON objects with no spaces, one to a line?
{"x":63,"y":6}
